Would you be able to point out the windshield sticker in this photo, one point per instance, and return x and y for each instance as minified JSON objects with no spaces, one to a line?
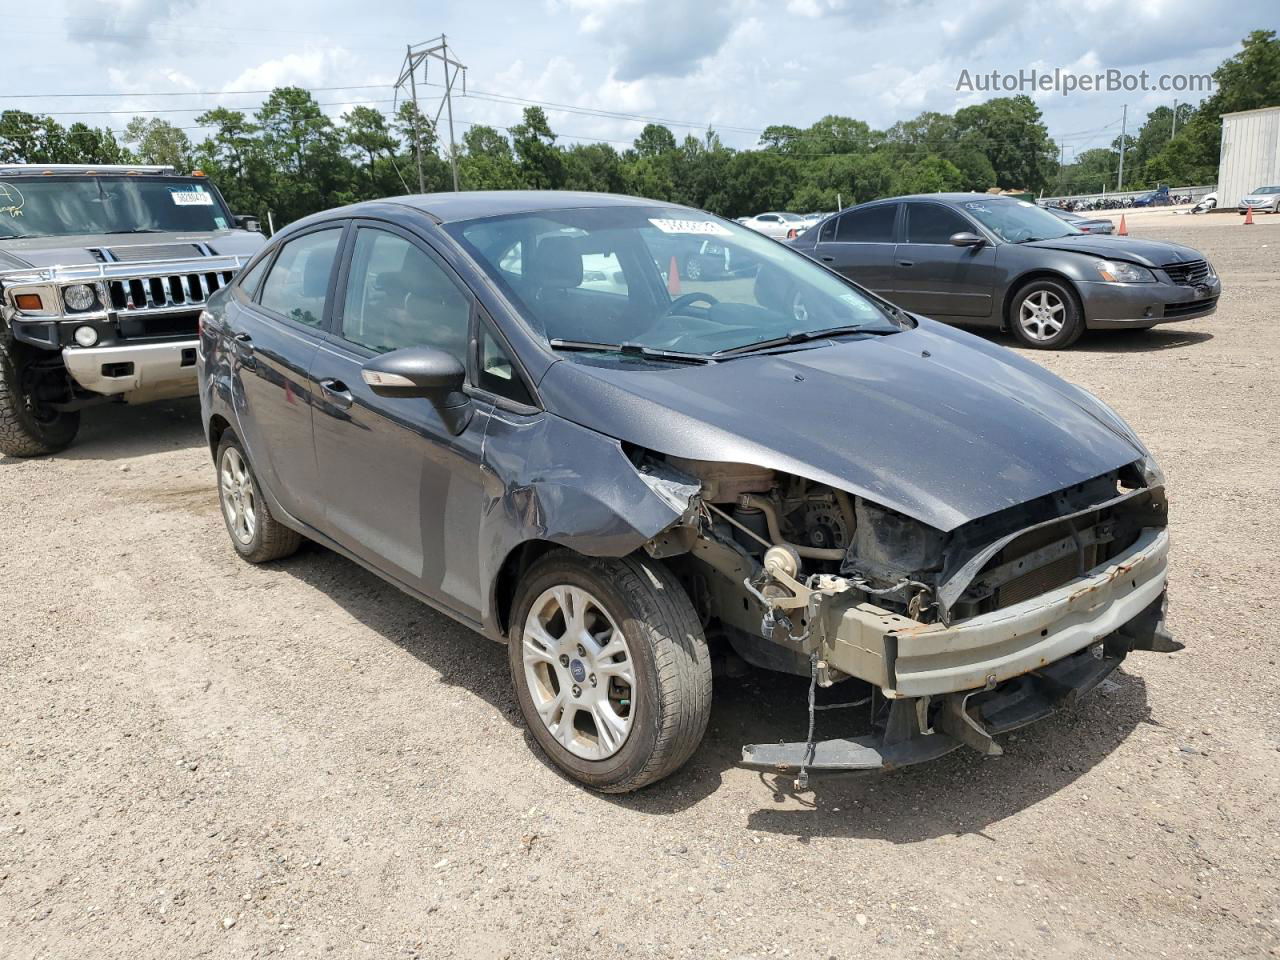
{"x":221,"y":222}
{"x":11,"y":200}
{"x":192,"y":198}
{"x":698,"y":227}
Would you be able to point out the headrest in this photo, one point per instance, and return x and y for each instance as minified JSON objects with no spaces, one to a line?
{"x":772,"y":289}
{"x":556,"y":263}
{"x":315,"y":273}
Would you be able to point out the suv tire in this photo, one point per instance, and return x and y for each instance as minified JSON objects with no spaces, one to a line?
{"x":658,"y":692}
{"x":26,"y":431}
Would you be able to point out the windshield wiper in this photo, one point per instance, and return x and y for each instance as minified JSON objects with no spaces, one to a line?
{"x":629,"y":350}
{"x":137,"y":230}
{"x":800,"y":336}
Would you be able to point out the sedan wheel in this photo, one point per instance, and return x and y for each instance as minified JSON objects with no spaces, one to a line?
{"x":255,"y":533}
{"x":1045,"y":315}
{"x":610,"y":666}
{"x":1042,"y":314}
{"x":579,"y":673}
{"x":239,"y":501}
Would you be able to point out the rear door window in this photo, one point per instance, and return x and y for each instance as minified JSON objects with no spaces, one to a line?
{"x":298,"y":283}
{"x":868,"y":225}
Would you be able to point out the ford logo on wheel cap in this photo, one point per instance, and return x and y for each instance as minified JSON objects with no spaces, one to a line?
{"x":578,"y":670}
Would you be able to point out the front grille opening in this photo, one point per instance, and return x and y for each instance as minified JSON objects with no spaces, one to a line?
{"x":1187,"y":274}
{"x":117,"y":369}
{"x":143,"y":325}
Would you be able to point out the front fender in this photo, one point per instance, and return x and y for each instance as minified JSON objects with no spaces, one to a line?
{"x":547,"y":479}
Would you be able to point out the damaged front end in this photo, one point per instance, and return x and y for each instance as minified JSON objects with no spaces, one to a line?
{"x":962,"y":634}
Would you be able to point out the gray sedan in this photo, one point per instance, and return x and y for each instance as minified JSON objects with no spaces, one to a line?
{"x":1000,"y":262}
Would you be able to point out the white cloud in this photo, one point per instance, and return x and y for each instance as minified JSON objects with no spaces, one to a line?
{"x":311,"y":69}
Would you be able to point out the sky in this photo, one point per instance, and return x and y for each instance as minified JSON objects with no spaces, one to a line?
{"x":736,"y":65}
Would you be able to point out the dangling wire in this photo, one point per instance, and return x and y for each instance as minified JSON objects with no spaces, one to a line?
{"x":811,"y":746}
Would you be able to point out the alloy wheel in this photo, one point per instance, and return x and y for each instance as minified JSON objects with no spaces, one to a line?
{"x":579,"y":672}
{"x":239,"y":502}
{"x":1042,"y":315}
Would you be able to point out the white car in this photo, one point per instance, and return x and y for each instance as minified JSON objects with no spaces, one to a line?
{"x":1260,"y":200}
{"x":775,"y":224}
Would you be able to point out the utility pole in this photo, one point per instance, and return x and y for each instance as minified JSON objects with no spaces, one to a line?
{"x":417,"y":137}
{"x":418,"y":55}
{"x":1124,"y":118}
{"x":1175,"y":120}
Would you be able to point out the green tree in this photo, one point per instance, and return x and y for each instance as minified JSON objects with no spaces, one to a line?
{"x":654,"y":141}
{"x":158,"y":141}
{"x":365,"y":129}
{"x":1010,"y":132}
{"x":304,"y":168}
{"x":541,"y":163}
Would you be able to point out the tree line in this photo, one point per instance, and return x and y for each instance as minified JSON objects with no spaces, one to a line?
{"x":290,"y":158}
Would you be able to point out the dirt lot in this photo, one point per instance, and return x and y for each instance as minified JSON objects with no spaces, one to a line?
{"x":199,"y":758}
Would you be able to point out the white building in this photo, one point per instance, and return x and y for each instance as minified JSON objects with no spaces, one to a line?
{"x":1250,"y":153}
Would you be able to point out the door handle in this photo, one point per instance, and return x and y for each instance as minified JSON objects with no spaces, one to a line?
{"x":337,"y":392}
{"x":906,"y":263}
{"x":828,"y":259}
{"x":244,"y":350}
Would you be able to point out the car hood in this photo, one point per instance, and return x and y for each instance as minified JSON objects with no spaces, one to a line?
{"x":78,"y":250}
{"x":1148,"y":253}
{"x":932,"y":422}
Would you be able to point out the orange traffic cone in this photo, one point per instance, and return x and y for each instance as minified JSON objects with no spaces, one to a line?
{"x":1248,"y":216}
{"x":1123,"y":231}
{"x":673,"y":278}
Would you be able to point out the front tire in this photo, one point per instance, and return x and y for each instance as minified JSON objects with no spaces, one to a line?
{"x":255,"y":533}
{"x":1046,"y":315}
{"x":611,"y":668}
{"x":29,"y":428}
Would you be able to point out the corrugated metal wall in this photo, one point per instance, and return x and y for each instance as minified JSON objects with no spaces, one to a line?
{"x":1250,"y":153}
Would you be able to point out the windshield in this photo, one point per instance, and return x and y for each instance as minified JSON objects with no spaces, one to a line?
{"x":63,"y":206}
{"x":1017,"y":221}
{"x":1267,"y":190}
{"x":662,"y":279}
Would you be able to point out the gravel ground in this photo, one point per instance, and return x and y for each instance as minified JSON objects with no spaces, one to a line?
{"x":199,"y":758}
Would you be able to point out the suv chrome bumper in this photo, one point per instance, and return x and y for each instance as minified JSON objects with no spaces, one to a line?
{"x":157,"y":369}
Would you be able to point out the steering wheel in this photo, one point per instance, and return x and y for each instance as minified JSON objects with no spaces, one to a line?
{"x":680,"y":302}
{"x":1017,"y":236}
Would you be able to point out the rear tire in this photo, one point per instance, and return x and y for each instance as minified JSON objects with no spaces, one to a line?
{"x":28,"y":429}
{"x":1046,"y":315}
{"x":257,"y":536}
{"x":639,"y":639}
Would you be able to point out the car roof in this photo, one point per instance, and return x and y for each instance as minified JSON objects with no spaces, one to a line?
{"x":476,"y":204}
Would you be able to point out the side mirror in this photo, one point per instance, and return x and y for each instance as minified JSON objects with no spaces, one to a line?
{"x":247,"y":221}
{"x":425,"y":372}
{"x":966,"y":239}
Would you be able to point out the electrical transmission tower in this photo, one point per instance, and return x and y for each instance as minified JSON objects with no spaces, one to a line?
{"x":420,"y":55}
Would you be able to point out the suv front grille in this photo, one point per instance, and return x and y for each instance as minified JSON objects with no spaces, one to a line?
{"x":1188,"y":274}
{"x":166,"y":292}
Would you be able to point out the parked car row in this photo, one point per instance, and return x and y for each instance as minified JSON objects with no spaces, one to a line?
{"x":629,"y":440}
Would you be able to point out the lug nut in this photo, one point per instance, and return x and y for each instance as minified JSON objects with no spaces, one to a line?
{"x":564,"y":659}
{"x":577,"y":690}
{"x":582,"y":651}
{"x":592,"y":678}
